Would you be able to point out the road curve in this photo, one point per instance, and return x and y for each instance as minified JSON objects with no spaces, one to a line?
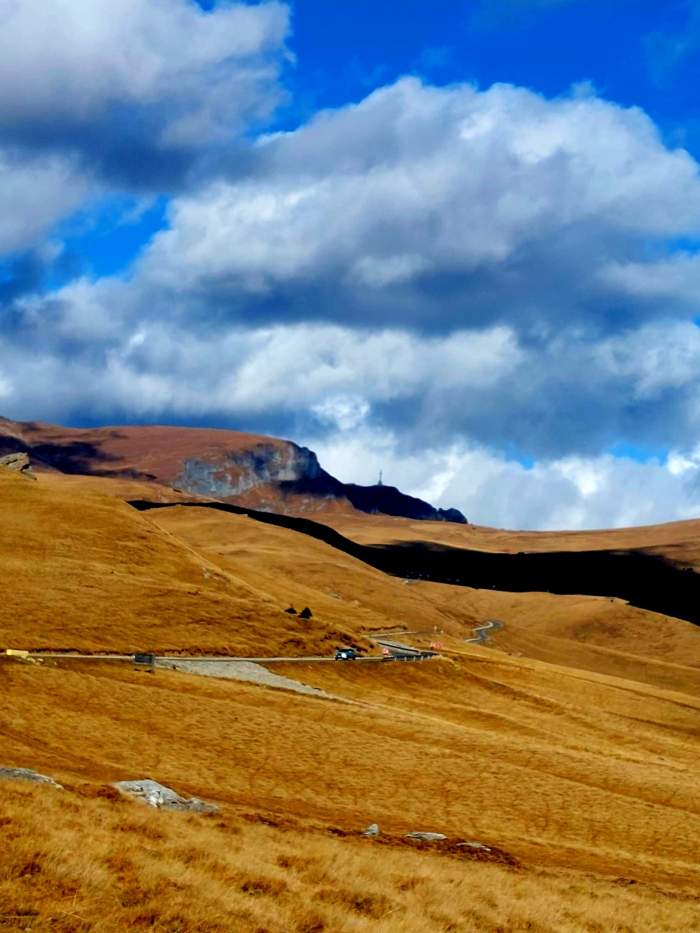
{"x":397,"y":651}
{"x":480,"y":634}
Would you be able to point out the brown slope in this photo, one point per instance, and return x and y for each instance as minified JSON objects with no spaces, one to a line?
{"x":248,"y":469}
{"x":142,"y":452}
{"x":678,"y":540}
{"x":130,"y":867}
{"x":559,"y":769}
{"x":85,"y":571}
{"x":112,"y":578}
{"x":603,"y":635}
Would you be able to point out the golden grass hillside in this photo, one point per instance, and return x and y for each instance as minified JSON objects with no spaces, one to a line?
{"x":260,"y":570}
{"x":588,"y":780}
{"x":296,"y":569}
{"x":584,"y":779}
{"x":591,"y":633}
{"x":561,"y":770}
{"x":139,"y":869}
{"x":603,"y":635}
{"x":679,"y":540}
{"x":85,"y":571}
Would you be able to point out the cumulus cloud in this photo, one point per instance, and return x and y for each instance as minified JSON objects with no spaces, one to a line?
{"x":430,"y":282}
{"x":138,"y":91}
{"x":34,"y":194}
{"x":435,"y":413}
{"x":570,"y":492}
{"x":440,"y":208}
{"x":546,"y":399}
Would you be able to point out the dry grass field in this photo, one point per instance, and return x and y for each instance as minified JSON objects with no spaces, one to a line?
{"x":583,"y":765}
{"x":515,"y":755}
{"x":88,"y":572}
{"x":680,"y":540}
{"x":603,"y":635}
{"x":140,"y":869}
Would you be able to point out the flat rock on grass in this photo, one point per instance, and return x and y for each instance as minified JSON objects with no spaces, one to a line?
{"x":162,"y":797}
{"x":427,"y":837}
{"x":26,"y":774}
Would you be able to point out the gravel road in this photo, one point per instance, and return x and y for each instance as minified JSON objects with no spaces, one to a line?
{"x":243,"y":670}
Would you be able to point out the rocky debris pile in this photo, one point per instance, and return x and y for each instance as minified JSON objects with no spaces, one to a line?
{"x":460,"y":848}
{"x":19,"y":463}
{"x":439,"y":842}
{"x":26,"y":774}
{"x":158,"y":795}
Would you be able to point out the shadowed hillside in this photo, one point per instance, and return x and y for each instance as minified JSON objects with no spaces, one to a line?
{"x":645,"y":579}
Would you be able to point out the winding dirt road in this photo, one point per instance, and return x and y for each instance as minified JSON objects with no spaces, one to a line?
{"x":482,"y":633}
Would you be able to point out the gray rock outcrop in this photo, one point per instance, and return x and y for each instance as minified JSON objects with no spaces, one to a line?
{"x":17,"y":462}
{"x":26,"y":774}
{"x":158,"y":795}
{"x":239,"y":471}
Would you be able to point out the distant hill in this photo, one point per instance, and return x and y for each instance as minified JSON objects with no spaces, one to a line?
{"x":244,"y":469}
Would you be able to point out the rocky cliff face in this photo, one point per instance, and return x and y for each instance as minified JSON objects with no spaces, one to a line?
{"x":236,"y":473}
{"x":293,"y":474}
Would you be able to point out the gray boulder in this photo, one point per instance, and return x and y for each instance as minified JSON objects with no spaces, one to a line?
{"x":19,"y":462}
{"x":372,"y":830}
{"x":26,"y":774}
{"x":157,"y":795}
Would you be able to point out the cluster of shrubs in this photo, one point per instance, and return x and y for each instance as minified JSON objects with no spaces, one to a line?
{"x":305,"y":613}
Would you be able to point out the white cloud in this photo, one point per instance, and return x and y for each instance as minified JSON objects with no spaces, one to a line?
{"x":416,"y":282}
{"x":571,"y":492}
{"x":344,"y":412}
{"x":34,"y":194}
{"x":6,"y":387}
{"x":441,"y":206}
{"x":566,"y":394}
{"x":123,"y":95}
{"x":658,"y":358}
{"x":72,"y":60}
{"x":420,"y":409}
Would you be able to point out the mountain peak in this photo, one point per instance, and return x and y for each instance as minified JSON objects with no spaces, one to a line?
{"x":244,"y":469}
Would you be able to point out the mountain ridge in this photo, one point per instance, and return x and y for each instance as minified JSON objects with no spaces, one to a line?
{"x":266,"y":473}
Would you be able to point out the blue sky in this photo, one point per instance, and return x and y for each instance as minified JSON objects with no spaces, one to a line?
{"x":454,"y":240}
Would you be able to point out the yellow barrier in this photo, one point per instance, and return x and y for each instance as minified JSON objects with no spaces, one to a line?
{"x":20,"y":655}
